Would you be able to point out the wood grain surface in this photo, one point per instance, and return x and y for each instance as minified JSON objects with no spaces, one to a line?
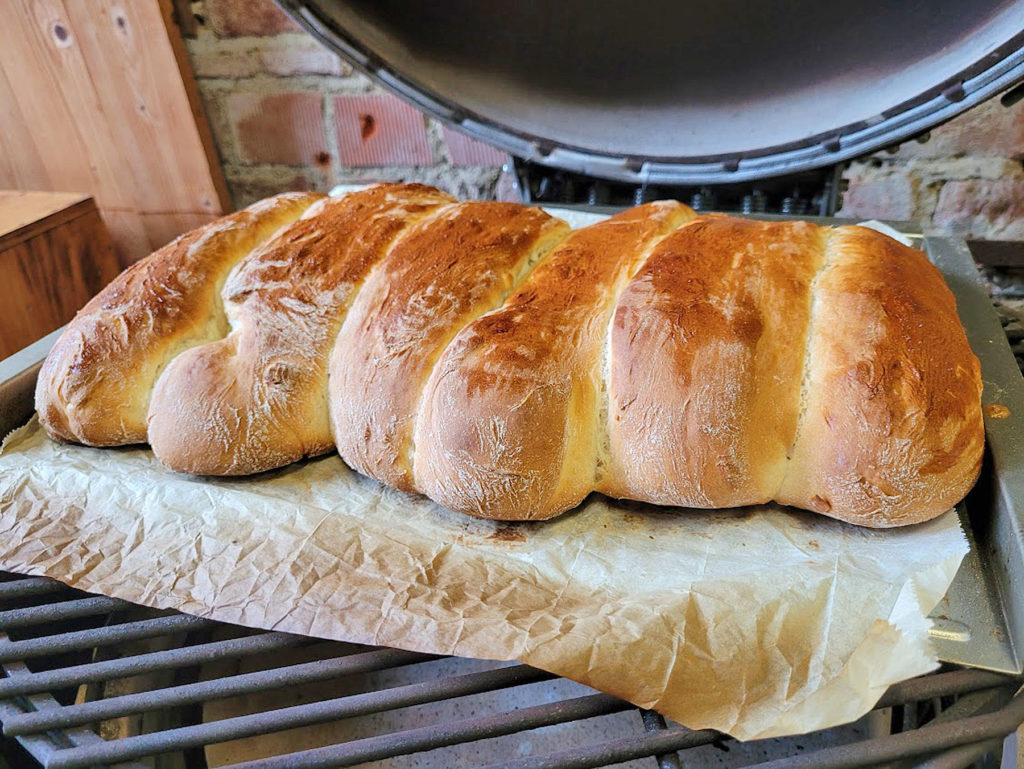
{"x":98,"y":97}
{"x":55,"y":254}
{"x":25,"y":214}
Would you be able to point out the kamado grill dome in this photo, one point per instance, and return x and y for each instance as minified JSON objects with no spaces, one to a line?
{"x":681,"y":92}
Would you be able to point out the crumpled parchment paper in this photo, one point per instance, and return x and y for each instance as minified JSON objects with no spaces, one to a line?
{"x":758,"y":622}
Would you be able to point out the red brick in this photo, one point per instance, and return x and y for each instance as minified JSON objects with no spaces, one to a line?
{"x":982,"y":208}
{"x":283,"y":128}
{"x":238,"y":18}
{"x":987,"y":129}
{"x":469,"y":152}
{"x":879,"y":196}
{"x":380,"y":130}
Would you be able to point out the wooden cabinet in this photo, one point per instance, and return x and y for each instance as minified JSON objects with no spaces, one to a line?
{"x":55,"y":254}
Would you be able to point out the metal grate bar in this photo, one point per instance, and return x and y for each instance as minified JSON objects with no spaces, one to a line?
{"x":443,"y":735}
{"x":39,"y":747}
{"x":944,"y":684}
{"x":961,"y":758}
{"x":679,"y":739}
{"x":295,"y":716}
{"x":42,"y":747}
{"x":30,"y":586}
{"x":57,"y":612}
{"x":926,"y":739}
{"x":146,"y":663}
{"x":219,"y":688}
{"x":653,"y":723}
{"x":617,"y":751}
{"x":102,"y":636}
{"x":974,"y":704}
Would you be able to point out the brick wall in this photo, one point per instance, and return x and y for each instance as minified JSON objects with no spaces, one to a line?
{"x":965,"y":177}
{"x":287,"y":114}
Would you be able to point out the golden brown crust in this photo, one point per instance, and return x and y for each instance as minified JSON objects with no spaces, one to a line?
{"x":95,"y":385}
{"x":707,"y":351}
{"x":706,"y":362}
{"x":257,"y":399}
{"x":509,"y":427}
{"x":444,"y":272}
{"x":891,"y":431}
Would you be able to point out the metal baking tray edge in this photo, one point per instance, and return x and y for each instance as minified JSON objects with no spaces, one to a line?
{"x":980,"y":621}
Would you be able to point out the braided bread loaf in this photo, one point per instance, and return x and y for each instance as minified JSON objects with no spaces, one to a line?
{"x":486,"y":356}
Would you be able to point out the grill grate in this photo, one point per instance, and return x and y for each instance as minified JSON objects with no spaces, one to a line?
{"x":64,"y":652}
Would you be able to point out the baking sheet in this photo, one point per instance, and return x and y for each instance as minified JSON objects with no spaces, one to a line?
{"x":758,"y":622}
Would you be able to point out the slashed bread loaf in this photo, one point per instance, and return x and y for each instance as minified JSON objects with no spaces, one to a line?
{"x":485,"y":355}
{"x":513,"y":419}
{"x":95,"y":385}
{"x":257,"y":398}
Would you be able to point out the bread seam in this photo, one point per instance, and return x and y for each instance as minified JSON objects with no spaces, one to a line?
{"x":353,"y":295}
{"x":219,"y":311}
{"x":525,"y":270}
{"x":218,"y":315}
{"x":299,"y":283}
{"x":602,"y":456}
{"x":805,"y":375}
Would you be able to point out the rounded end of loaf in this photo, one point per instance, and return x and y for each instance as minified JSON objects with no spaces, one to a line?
{"x":55,"y":400}
{"x":90,"y":387}
{"x":891,"y":431}
{"x":95,"y":384}
{"x":213,"y":415}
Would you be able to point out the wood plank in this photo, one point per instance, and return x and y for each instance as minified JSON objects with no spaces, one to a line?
{"x":21,"y":165}
{"x":153,"y":136}
{"x":183,"y":18}
{"x":98,"y":96}
{"x":46,"y":279}
{"x":27,"y":37}
{"x":26,"y":214}
{"x":195,"y":101}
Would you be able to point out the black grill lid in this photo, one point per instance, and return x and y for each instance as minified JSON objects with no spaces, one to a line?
{"x":681,"y":92}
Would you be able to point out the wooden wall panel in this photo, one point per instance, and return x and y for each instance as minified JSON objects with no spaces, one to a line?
{"x":102,"y":101}
{"x":19,"y":156}
{"x":28,"y":61}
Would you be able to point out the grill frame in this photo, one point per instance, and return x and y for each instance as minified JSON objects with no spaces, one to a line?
{"x":988,"y":705}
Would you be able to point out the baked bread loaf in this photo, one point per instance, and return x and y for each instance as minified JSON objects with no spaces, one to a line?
{"x":95,"y":385}
{"x":257,"y":398}
{"x":486,"y":356}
